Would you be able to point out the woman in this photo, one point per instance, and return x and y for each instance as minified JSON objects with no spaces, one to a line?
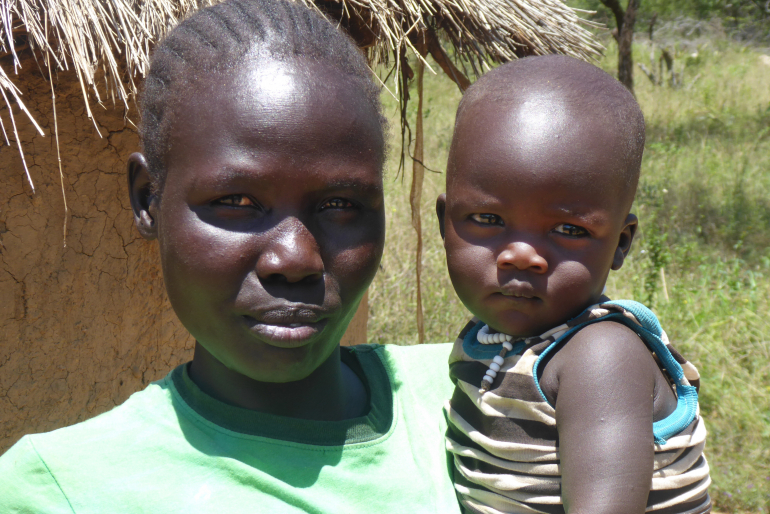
{"x":261,"y":178}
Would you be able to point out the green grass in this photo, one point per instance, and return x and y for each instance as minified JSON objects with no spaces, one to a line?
{"x":704,"y":209}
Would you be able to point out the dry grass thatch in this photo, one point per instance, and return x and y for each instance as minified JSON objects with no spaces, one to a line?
{"x":478,"y":30}
{"x":117,"y":36}
{"x":84,"y":35}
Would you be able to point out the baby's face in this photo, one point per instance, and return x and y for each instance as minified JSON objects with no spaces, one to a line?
{"x":271,"y":223}
{"x":535,"y":214}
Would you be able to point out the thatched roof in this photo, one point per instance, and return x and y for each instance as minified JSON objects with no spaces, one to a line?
{"x":478,"y":30}
{"x":117,"y":36}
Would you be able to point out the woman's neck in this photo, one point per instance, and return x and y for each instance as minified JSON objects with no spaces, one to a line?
{"x":331,"y":393}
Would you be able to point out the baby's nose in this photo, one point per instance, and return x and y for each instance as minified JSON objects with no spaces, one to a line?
{"x":522,"y":255}
{"x":291,"y":255}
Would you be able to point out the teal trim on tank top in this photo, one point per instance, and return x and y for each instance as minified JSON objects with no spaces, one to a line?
{"x":480,"y":351}
{"x":363,"y":360}
{"x":650,"y":333}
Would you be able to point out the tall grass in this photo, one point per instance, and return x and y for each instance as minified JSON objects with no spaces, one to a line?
{"x":704,"y":209}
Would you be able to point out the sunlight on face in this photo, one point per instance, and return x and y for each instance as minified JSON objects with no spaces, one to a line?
{"x":540,"y":119}
{"x":277,"y":82}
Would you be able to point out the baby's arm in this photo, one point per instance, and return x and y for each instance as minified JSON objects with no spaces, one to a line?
{"x":603,"y":383}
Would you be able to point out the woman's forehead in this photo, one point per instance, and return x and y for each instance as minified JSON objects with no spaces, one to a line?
{"x":261,"y":115}
{"x":278,"y":99}
{"x":267,"y":105}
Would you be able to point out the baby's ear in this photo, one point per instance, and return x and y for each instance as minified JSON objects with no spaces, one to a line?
{"x":625,"y":240}
{"x":440,"y":210}
{"x":143,"y":200}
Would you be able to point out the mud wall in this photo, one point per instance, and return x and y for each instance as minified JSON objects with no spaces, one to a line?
{"x":84,"y":326}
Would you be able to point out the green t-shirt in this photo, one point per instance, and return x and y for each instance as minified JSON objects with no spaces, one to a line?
{"x":171,"y":448}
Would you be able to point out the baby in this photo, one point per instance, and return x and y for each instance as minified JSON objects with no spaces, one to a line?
{"x":564,"y":400}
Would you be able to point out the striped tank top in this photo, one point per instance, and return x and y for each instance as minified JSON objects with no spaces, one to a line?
{"x":514,"y":467}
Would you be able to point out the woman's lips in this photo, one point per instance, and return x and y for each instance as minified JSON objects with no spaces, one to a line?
{"x":288,"y":334}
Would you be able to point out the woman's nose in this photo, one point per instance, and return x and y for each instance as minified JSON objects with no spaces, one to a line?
{"x":291,"y":255}
{"x":522,"y":256}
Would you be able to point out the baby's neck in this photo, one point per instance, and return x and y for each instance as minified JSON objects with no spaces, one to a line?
{"x":513,"y":337}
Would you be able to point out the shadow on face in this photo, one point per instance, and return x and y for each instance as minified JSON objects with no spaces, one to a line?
{"x":271,"y":222}
{"x":536,"y":209}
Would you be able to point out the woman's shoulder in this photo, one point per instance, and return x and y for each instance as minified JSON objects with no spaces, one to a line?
{"x":429,"y":358}
{"x":33,"y":461}
{"x":152,"y":402}
{"x":412,"y":351}
{"x":28,"y":485}
{"x":407,"y":355}
{"x":422,"y":367}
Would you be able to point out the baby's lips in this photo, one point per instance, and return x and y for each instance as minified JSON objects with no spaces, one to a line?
{"x":518,"y":291}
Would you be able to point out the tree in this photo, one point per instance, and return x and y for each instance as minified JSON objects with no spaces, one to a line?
{"x":624,"y":35}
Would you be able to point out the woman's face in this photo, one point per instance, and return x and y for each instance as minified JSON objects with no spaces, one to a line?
{"x":271,"y":224}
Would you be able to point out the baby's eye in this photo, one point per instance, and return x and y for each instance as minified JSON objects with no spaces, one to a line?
{"x":571,"y":230}
{"x":487,"y":219}
{"x":336,"y":203}
{"x":235,"y":201}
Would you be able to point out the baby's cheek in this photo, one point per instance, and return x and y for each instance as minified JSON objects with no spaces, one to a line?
{"x":573,"y":282}
{"x":469,"y":260}
{"x":469,"y":270}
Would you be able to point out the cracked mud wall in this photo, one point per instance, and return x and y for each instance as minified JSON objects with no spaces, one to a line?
{"x":81,"y":327}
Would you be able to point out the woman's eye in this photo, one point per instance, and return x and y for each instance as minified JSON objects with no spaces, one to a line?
{"x":235,"y":201}
{"x":336,"y":203}
{"x":488,"y":219}
{"x":571,"y":230}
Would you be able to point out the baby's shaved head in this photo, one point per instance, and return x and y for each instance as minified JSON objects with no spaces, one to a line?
{"x":536,"y":101}
{"x":541,"y":177}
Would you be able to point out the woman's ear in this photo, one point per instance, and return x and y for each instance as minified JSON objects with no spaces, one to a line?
{"x":625,"y":240}
{"x":143,"y":200}
{"x":440,"y":210}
